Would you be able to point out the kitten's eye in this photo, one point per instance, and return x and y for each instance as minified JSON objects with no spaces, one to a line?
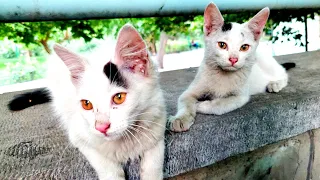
{"x":244,"y":47}
{"x":119,"y":98}
{"x":222,"y":45}
{"x":86,"y":104}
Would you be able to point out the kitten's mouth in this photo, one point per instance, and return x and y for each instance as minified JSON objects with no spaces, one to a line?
{"x":114,"y":134}
{"x":111,"y":136}
{"x":228,"y":68}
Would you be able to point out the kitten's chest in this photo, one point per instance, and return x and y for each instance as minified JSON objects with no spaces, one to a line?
{"x":223,"y":85}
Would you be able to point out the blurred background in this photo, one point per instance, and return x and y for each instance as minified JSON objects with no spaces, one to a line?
{"x":175,"y":42}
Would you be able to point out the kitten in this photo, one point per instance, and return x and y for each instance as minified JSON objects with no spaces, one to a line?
{"x":113,"y":110}
{"x":232,"y":69}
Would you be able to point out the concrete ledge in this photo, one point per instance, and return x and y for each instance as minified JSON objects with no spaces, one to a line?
{"x":40,"y":149}
{"x":293,"y":158}
{"x":268,"y":118}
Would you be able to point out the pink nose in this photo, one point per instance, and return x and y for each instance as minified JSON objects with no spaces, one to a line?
{"x":233,"y":60}
{"x":102,"y":127}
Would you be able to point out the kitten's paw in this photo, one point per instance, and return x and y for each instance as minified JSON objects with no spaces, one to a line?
{"x":275,"y":86}
{"x":180,"y":124}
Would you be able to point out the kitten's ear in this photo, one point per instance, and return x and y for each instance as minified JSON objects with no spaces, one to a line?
{"x":256,"y":24}
{"x":74,"y":62}
{"x":131,"y":51}
{"x":213,"y":19}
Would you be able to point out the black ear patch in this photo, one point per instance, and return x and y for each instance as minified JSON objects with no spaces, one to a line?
{"x":114,"y":75}
{"x":226,"y":27}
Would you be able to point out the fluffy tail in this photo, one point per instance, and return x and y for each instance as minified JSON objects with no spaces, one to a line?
{"x":29,"y":99}
{"x":288,"y":66}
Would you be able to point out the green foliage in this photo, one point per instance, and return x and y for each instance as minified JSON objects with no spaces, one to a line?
{"x":36,"y":50}
{"x":290,"y":34}
{"x":180,"y":45}
{"x":24,"y":70}
{"x":87,"y":47}
{"x":4,"y":61}
{"x":9,"y":54}
{"x":35,"y":33}
{"x":31,"y":33}
{"x":177,"y":46}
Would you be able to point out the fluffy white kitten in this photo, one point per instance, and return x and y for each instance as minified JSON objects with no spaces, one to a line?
{"x":232,"y":69}
{"x":112,"y":109}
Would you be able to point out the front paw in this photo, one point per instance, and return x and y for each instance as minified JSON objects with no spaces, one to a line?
{"x":275,"y":86}
{"x":181,"y":124}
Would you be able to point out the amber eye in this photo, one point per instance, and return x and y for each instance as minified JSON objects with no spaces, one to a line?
{"x":86,"y":104}
{"x":244,"y":47}
{"x":222,"y":45}
{"x":119,"y":98}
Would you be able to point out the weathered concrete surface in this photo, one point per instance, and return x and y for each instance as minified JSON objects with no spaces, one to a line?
{"x":284,"y":160}
{"x":315,"y":173}
{"x":33,"y":145}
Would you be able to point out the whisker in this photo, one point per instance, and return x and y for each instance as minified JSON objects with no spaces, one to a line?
{"x":129,"y":137}
{"x":142,"y":120}
{"x":123,"y":134}
{"x":135,"y":137}
{"x":151,"y":132}
{"x":114,"y":75}
{"x":137,"y":130}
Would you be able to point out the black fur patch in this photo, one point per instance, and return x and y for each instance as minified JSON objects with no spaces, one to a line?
{"x":288,"y":66}
{"x":114,"y":75}
{"x":29,"y":99}
{"x":205,"y":97}
{"x":226,"y":27}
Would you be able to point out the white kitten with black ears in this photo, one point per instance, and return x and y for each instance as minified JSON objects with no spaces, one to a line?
{"x":232,"y":69}
{"x":112,"y":110}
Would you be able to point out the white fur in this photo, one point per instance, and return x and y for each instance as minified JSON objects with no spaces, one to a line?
{"x":230,"y":86}
{"x":126,"y":139}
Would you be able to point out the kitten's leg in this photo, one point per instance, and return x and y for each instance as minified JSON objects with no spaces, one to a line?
{"x":105,"y":168}
{"x":186,"y":113}
{"x":222,"y":105}
{"x":152,"y":163}
{"x":186,"y":109}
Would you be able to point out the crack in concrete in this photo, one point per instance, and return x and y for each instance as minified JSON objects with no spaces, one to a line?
{"x":298,"y":161}
{"x":311,"y":156}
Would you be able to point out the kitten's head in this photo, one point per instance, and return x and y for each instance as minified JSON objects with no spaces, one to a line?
{"x":230,"y":45}
{"x":108,"y":97}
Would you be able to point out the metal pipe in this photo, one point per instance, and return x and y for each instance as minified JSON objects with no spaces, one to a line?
{"x":39,"y":10}
{"x":306,"y":31}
